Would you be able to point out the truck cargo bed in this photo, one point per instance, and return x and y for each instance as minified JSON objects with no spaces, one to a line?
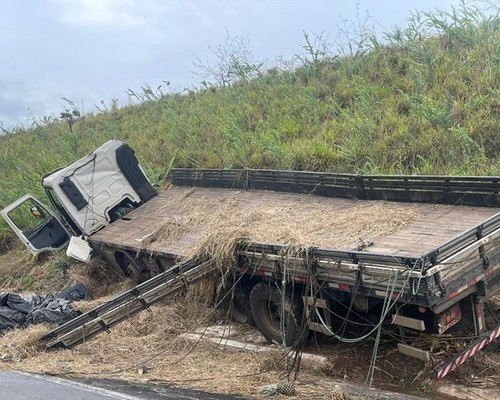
{"x":436,"y":238}
{"x":433,"y":224}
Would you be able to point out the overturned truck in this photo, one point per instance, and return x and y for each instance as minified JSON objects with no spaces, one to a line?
{"x":339,"y":254}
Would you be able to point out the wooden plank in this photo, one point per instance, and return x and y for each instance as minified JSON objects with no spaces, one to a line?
{"x":414,"y":352}
{"x":408,"y":322}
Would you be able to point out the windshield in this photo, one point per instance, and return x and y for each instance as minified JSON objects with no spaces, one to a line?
{"x":66,"y":217}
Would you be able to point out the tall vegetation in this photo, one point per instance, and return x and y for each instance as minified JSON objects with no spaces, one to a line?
{"x":424,"y":99}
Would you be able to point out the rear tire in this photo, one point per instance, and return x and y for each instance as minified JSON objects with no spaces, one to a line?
{"x":274,"y":314}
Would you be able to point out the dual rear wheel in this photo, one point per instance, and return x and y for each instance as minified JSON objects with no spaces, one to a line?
{"x":275,"y":314}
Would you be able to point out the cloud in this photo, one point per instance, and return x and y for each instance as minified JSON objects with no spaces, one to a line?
{"x":18,"y":101}
{"x":151,"y":20}
{"x":124,"y":13}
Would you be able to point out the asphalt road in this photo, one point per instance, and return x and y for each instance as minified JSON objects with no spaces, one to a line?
{"x":23,"y":386}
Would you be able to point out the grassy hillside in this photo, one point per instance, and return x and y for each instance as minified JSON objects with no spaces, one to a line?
{"x":421,"y":100}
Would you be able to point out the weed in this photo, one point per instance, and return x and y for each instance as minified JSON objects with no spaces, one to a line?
{"x":28,"y":282}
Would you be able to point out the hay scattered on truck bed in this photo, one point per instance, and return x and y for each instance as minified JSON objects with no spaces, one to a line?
{"x":292,"y":220}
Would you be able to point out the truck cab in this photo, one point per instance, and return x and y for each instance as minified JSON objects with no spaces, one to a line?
{"x":86,"y":195}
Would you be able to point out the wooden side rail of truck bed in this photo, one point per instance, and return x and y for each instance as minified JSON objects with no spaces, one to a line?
{"x":456,"y":190}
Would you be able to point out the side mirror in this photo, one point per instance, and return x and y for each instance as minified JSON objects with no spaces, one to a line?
{"x":37,"y":213}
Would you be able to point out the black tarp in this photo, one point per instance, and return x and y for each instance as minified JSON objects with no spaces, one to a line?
{"x":17,"y":311}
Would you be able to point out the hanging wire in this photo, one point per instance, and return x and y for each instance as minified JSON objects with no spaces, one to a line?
{"x":385,"y":312}
{"x":385,"y":309}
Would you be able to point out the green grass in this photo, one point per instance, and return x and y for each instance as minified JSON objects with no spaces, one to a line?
{"x":421,"y":100}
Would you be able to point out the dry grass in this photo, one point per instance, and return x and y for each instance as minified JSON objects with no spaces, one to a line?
{"x":144,"y":348}
{"x":14,"y":266}
{"x":98,"y":278}
{"x":16,"y":346}
{"x":148,"y":349}
{"x":218,"y":224}
{"x":291,"y":220}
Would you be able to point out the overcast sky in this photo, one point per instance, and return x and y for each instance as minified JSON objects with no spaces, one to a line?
{"x":94,"y":50}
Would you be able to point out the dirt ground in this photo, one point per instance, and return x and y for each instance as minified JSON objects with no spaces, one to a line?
{"x":152,"y":348}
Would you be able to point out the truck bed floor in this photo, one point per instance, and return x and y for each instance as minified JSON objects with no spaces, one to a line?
{"x":179,"y":208}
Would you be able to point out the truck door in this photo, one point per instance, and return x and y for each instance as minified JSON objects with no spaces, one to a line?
{"x":38,"y":228}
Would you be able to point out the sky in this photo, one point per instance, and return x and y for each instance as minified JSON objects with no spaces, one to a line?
{"x":93,"y":51}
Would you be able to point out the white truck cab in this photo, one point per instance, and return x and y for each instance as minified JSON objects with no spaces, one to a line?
{"x":87,"y":195}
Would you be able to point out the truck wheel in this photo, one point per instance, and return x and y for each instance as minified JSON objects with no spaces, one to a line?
{"x":132,"y":267}
{"x":274,"y":315}
{"x":236,"y":305}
